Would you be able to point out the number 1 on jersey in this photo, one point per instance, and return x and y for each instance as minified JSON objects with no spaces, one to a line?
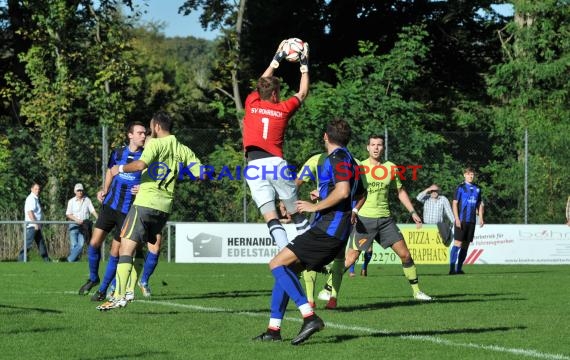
{"x":265,"y":122}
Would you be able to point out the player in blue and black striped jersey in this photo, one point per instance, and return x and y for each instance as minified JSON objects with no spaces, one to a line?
{"x":117,"y":197}
{"x":339,"y":189}
{"x":466,"y":203}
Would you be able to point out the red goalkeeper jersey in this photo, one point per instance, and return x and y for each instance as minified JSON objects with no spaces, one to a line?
{"x":265,"y":122}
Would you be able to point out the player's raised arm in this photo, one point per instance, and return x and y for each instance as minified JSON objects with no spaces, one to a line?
{"x":304,"y":84}
{"x":280,"y":54}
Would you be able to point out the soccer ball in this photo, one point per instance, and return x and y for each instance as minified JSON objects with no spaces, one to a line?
{"x":292,"y":47}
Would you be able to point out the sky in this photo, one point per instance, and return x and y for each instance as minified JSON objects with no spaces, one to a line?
{"x":176,"y":24}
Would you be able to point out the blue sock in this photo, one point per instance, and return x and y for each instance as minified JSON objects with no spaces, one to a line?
{"x":351,"y":268}
{"x":94,"y":256}
{"x":461,"y":258}
{"x":109,"y":273}
{"x":289,"y":282}
{"x":367,"y":258}
{"x":279,"y":300}
{"x":453,"y":257}
{"x":149,"y":265}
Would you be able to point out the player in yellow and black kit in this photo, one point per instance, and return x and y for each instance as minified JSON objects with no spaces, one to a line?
{"x":161,"y":161}
{"x":374,"y":219}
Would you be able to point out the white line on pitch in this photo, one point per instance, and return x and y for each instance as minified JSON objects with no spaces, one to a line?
{"x":432,"y":339}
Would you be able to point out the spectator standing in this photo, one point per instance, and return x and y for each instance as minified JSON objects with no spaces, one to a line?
{"x":33,"y":212}
{"x":435,"y":207}
{"x":78,"y":210}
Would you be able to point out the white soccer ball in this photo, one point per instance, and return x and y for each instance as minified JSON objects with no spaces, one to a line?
{"x":292,"y":47}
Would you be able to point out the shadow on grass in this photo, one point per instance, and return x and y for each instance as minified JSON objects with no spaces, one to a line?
{"x":32,"y":331}
{"x":478,"y":273}
{"x":12,"y":310}
{"x":458,"y":295}
{"x":416,"y":334}
{"x":442,"y":299}
{"x":215,"y":295}
{"x":445,"y":273}
{"x":130,"y":355}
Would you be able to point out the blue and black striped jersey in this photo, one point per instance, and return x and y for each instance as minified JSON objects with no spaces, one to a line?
{"x":119,"y":196}
{"x":335,"y":221}
{"x":468,"y":198}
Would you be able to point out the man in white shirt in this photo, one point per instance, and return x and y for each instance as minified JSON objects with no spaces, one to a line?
{"x":435,"y":206}
{"x":33,"y":212}
{"x":78,"y":210}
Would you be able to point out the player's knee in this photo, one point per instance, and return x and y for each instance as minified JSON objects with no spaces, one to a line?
{"x":97,"y":239}
{"x":290,"y":205}
{"x":406,"y":257}
{"x":268,"y":208}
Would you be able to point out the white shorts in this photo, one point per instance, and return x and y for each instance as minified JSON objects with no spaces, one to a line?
{"x":270,"y":176}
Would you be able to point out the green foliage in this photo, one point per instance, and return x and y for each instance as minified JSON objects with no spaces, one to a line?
{"x":172,"y":74}
{"x":5,"y":154}
{"x":415,"y":70}
{"x":373,"y":94}
{"x":532,"y":92}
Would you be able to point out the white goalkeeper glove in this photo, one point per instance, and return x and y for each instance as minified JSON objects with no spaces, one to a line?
{"x":304,"y":58}
{"x":279,"y":55}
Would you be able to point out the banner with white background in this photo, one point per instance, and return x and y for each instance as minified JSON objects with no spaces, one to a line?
{"x":493,"y":244}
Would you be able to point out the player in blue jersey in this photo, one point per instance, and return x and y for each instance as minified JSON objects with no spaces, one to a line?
{"x":117,"y":196}
{"x":466,"y":203}
{"x":323,"y":242}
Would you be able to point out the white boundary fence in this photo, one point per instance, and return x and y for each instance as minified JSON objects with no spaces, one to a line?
{"x":25,"y":225}
{"x":251,"y":243}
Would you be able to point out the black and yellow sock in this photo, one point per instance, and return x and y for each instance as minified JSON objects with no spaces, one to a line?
{"x":123,"y":273}
{"x":412,"y":276}
{"x":310,"y":278}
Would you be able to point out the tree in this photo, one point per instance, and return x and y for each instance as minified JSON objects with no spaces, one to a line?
{"x":74,"y":72}
{"x":531,"y":89}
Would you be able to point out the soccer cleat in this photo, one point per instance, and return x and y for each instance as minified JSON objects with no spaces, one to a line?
{"x":363,"y":272}
{"x":98,"y":296}
{"x":351,"y":274}
{"x":269,"y":336}
{"x":130,"y":296}
{"x":112,"y":304}
{"x":452,"y":272}
{"x":460,"y":272}
{"x":422,"y":297}
{"x":312,"y":304}
{"x":84,"y":290}
{"x":324,"y":295}
{"x":309,"y":328}
{"x":145,"y":289}
{"x":331,"y":304}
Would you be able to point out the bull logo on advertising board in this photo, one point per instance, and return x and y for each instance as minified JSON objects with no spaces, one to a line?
{"x":206,"y":245}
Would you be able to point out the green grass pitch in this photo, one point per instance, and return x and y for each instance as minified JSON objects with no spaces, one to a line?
{"x":207,"y":311}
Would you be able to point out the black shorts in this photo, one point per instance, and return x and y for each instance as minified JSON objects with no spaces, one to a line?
{"x":142,"y":224}
{"x":110,"y":219}
{"x":466,"y":233}
{"x":315,"y":249}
